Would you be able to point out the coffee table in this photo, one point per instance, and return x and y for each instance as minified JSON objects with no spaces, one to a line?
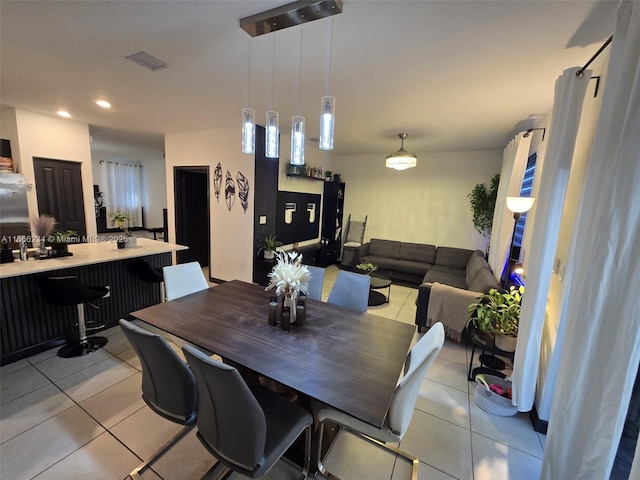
{"x":378,"y":298}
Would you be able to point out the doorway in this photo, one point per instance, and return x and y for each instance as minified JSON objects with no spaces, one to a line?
{"x":191,"y":190}
{"x":59,"y":191}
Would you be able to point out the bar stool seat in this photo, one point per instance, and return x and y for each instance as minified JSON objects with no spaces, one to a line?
{"x":65,"y":291}
{"x":148,"y":274}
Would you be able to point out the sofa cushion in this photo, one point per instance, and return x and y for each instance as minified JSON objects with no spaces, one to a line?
{"x":483,"y":281}
{"x":452,"y":257}
{"x":409,"y":266}
{"x":461,"y":272}
{"x":384,"y":248}
{"x":418,"y":252}
{"x":446,"y":278}
{"x":475,"y":263}
{"x":380,"y":262}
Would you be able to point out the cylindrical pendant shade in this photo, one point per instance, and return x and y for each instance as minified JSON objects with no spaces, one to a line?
{"x":297,"y":140}
{"x":248,"y":130}
{"x":272,"y":138}
{"x":327,"y":118}
{"x":519,"y":204}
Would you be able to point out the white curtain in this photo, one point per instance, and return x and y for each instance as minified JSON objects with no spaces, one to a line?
{"x":553,"y":178}
{"x":514,"y":163}
{"x":601,"y":351}
{"x":123,"y":189}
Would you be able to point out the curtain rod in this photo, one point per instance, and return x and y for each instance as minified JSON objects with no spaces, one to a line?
{"x":586,"y":65}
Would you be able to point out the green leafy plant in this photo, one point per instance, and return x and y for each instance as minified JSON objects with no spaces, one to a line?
{"x":63,"y":236}
{"x":121,"y":220}
{"x":367,"y":267}
{"x":268,"y":243}
{"x":483,"y":203}
{"x":498,"y":312}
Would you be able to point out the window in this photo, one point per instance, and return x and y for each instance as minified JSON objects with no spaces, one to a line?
{"x":123,"y":189}
{"x":525,"y":191}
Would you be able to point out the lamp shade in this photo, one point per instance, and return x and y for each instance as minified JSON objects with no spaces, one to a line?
{"x":248,"y":130}
{"x":520,"y":204}
{"x":297,"y":140}
{"x":401,"y":160}
{"x":272,"y":138}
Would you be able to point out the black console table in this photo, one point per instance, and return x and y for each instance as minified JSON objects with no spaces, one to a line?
{"x":489,"y":363}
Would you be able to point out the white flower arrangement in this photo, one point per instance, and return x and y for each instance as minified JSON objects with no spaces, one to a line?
{"x":289,"y":276}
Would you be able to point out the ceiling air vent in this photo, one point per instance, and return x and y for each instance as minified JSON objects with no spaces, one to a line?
{"x":147,"y":61}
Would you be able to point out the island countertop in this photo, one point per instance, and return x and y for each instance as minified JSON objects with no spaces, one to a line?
{"x":88,"y":254}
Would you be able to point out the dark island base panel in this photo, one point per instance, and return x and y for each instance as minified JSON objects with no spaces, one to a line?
{"x":29,"y":325}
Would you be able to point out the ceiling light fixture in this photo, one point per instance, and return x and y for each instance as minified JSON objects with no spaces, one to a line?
{"x":401,"y":160}
{"x":272,"y":134}
{"x":327,"y":108}
{"x":297,"y":121}
{"x":103,"y":103}
{"x":249,"y":118}
{"x":64,"y":113}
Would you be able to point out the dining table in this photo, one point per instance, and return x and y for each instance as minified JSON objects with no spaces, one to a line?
{"x":347,"y":359}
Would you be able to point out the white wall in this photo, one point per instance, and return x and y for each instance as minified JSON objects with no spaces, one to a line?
{"x":425,"y":204}
{"x":231,"y":231}
{"x":36,"y":135}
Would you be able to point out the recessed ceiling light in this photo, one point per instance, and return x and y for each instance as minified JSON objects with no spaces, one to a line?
{"x":103,"y":103}
{"x":64,"y":113}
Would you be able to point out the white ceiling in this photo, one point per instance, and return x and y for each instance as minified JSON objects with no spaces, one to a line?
{"x":455,"y":75}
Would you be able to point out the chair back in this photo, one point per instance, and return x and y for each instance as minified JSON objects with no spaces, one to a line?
{"x":419,"y":359}
{"x":183,"y":279}
{"x":350,"y":290}
{"x":230,"y":419}
{"x":145,"y":271}
{"x":315,"y":283}
{"x":168,"y":386}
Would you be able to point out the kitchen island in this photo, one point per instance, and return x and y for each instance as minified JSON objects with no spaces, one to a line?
{"x":29,"y":325}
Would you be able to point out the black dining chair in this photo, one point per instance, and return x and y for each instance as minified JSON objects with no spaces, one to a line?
{"x":168,"y":385}
{"x":247,"y":430}
{"x":148,"y":274}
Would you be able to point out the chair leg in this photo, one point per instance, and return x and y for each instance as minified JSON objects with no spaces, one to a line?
{"x":135,"y":474}
{"x":307,"y":453}
{"x":415,"y":462}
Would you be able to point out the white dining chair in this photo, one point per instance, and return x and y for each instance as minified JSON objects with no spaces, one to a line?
{"x":350,"y":290}
{"x":316,"y":282}
{"x":402,"y":404}
{"x":183,"y":279}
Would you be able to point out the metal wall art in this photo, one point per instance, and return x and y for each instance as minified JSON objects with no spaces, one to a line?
{"x":229,"y":190}
{"x":243,"y":190}
{"x":217,"y":181}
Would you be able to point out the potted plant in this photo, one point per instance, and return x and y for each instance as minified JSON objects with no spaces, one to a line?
{"x":268,"y":245}
{"x":122,"y":220}
{"x":483,"y":204}
{"x":59,"y":241}
{"x":366,"y":268}
{"x":498,"y":313}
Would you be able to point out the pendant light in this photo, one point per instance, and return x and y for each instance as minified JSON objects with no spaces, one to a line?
{"x":297,"y":121}
{"x":401,"y":160}
{"x":249,"y":119}
{"x":272,"y":136}
{"x":327,"y":108}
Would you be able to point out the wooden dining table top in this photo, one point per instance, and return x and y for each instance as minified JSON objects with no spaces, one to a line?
{"x":346,"y":359}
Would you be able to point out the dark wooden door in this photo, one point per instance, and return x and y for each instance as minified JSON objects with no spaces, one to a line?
{"x":192,"y":213}
{"x":59,"y":189}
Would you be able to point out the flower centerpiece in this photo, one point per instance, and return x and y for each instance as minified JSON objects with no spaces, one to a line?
{"x":367,"y":268}
{"x":290,"y":278}
{"x":42,"y":227}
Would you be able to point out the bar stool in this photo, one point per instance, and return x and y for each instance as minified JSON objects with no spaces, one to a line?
{"x":148,"y":274}
{"x":64,"y":291}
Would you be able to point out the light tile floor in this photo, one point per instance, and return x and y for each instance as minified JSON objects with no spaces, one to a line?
{"x":84,"y":418}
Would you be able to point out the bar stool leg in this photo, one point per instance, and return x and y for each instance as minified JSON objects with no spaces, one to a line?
{"x":85,"y":345}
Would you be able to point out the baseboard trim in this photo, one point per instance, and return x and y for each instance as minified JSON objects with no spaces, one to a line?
{"x":539,"y":425}
{"x":216,"y":280}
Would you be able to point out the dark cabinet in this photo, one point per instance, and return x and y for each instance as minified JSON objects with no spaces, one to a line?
{"x":332,"y":210}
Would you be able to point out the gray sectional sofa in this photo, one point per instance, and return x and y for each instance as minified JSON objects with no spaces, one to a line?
{"x":423,"y":265}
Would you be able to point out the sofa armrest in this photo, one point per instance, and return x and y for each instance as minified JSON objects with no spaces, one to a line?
{"x":361,"y":251}
{"x":422,"y":304}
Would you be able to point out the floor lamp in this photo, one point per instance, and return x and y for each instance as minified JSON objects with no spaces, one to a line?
{"x":517,"y":205}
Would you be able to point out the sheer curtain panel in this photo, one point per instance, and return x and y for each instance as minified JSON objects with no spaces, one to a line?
{"x":601,"y":351}
{"x":565,"y":118}
{"x":514,"y":162}
{"x":124,"y":189}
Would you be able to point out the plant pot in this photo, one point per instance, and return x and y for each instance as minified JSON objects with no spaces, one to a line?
{"x":268,"y":255}
{"x":506,"y":343}
{"x":59,"y":249}
{"x":130,"y":241}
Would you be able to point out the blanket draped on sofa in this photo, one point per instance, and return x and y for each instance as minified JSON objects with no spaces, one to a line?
{"x":449,"y":305}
